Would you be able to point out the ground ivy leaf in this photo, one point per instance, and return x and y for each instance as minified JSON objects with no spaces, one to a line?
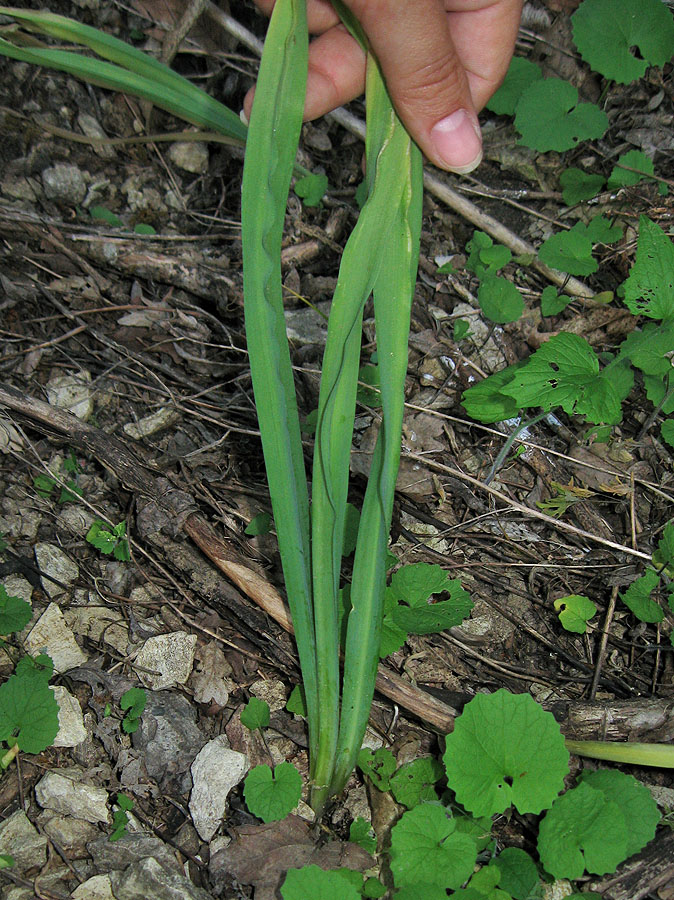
{"x":499,"y":300}
{"x":623,"y":27}
{"x":15,"y":613}
{"x":414,"y":783}
{"x":667,"y":431}
{"x":634,"y":159}
{"x":599,"y":230}
{"x":569,"y":251}
{"x":583,"y":830}
{"x":297,"y":703}
{"x":361,"y":833}
{"x":433,"y":617}
{"x":649,"y":289}
{"x":648,"y":348}
{"x":549,"y":117}
{"x":565,"y":372}
{"x":414,"y":584}
{"x":480,"y":241}
{"x":635,"y":801}
{"x":255,"y":714}
{"x":638,"y":598}
{"x":664,"y":555}
{"x":574,"y":612}
{"x":378,"y":765}
{"x":478,"y":830}
{"x":553,"y":303}
{"x":578,"y":185}
{"x":521,"y":73}
{"x":312,"y":881}
{"x":505,"y":750}
{"x":259,"y":524}
{"x":495,"y":257}
{"x":269,"y":796}
{"x":311,"y":188}
{"x":486,"y":401}
{"x":392,"y":637}
{"x":28,"y":712}
{"x":519,"y":874}
{"x":425,"y":847}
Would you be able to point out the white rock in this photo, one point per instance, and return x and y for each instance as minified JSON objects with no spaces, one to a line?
{"x":192,"y":156}
{"x":215,"y":771}
{"x":18,"y":586}
{"x":73,"y":798}
{"x":156,"y":421}
{"x":20,"y":838}
{"x":53,"y":561}
{"x":71,"y":723}
{"x":100,"y":624}
{"x":169,"y":655}
{"x":72,"y":393}
{"x":272,"y":691}
{"x":96,"y":888}
{"x":51,"y":635}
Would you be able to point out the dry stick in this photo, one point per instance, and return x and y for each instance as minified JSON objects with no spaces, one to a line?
{"x":435,"y":185}
{"x":601,"y":653}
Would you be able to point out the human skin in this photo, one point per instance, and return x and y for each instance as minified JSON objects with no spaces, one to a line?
{"x":442,"y":61}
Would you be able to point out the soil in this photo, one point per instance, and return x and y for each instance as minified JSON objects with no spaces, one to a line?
{"x":147,"y":330}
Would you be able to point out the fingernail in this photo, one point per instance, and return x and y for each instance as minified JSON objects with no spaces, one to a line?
{"x":458,"y":141}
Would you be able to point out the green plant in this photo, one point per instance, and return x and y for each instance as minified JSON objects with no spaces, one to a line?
{"x":255,"y":714}
{"x":28,"y":708}
{"x":376,"y":260}
{"x":133,"y":703}
{"x":575,"y":611}
{"x":120,"y":817}
{"x":70,"y":491}
{"x":272,"y":795}
{"x":110,"y":541}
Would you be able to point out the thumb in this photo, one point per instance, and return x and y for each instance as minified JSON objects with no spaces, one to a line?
{"x":425,"y":78}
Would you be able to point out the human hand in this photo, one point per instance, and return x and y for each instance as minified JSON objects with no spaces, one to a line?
{"x":442,"y":61}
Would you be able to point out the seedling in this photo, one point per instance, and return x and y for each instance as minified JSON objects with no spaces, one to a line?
{"x":575,"y":611}
{"x":108,"y":541}
{"x":133,"y":702}
{"x":361,"y":833}
{"x":70,"y":491}
{"x":120,"y":818}
{"x":28,"y":708}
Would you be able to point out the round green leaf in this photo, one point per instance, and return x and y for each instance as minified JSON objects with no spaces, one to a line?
{"x":549,"y":117}
{"x":519,"y":874}
{"x":574,"y":612}
{"x":255,"y":714}
{"x":425,"y":847}
{"x":269,"y":796}
{"x":521,"y":73}
{"x":634,"y":159}
{"x":607,"y":31}
{"x":635,"y":801}
{"x":583,"y":830}
{"x":422,"y":891}
{"x":505,"y":750}
{"x":415,"y":782}
{"x":28,"y":712}
{"x":578,"y":185}
{"x":569,"y":251}
{"x":500,"y":300}
{"x":415,"y":583}
{"x":667,"y":431}
{"x":553,"y":303}
{"x":15,"y":613}
{"x":312,"y":881}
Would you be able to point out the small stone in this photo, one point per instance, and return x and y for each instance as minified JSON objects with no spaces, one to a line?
{"x":76,"y":520}
{"x":71,"y":723}
{"x":99,"y":624}
{"x":147,"y":878}
{"x":215,"y":771}
{"x":73,"y":798}
{"x":98,"y":887}
{"x":130,"y":848}
{"x":18,"y":586}
{"x":65,"y":184}
{"x":71,"y":834}
{"x":192,"y":156}
{"x":156,"y":421}
{"x":90,"y":126}
{"x":72,"y":393}
{"x":20,"y":838}
{"x":272,"y":691}
{"x":171,"y":656}
{"x":168,"y":738}
{"x":52,"y":636}
{"x":307,"y":326}
{"x":20,"y":188}
{"x":51,"y":560}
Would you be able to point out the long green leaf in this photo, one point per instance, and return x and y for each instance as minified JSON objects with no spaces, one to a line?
{"x":400,"y":160}
{"x":154,"y":77}
{"x":274,"y":129}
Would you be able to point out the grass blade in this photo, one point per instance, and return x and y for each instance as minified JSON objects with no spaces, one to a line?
{"x":275,"y":124}
{"x":399,"y":161}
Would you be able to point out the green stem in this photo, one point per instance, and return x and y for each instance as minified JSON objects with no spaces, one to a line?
{"x":630,"y":752}
{"x":507,"y":447}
